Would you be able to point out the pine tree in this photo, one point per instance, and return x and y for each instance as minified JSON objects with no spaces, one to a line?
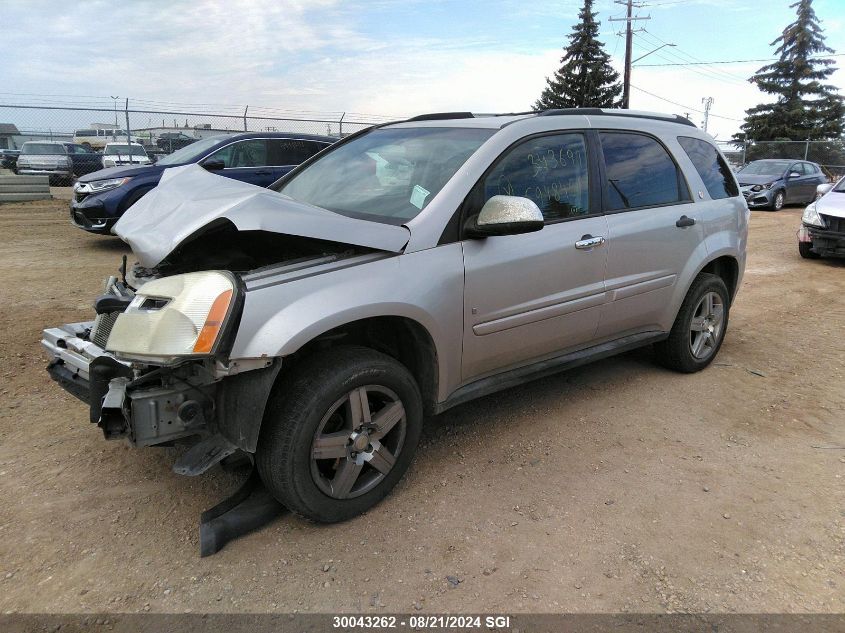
{"x":806,"y":107}
{"x":586,"y":78}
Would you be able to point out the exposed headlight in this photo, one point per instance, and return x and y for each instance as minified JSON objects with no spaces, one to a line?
{"x":174,"y":317}
{"x":811,"y":216}
{"x":757,"y":188}
{"x":96,"y":186}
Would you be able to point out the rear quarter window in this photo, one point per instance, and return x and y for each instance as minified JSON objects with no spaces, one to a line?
{"x":714,"y":171}
{"x":640,"y":172}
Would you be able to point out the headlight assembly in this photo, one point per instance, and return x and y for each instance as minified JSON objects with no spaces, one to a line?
{"x":175,"y":317}
{"x":811,"y":216}
{"x":97,"y":186}
{"x":757,"y":188}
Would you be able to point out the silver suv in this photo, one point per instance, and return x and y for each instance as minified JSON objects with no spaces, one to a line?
{"x":407,"y":269}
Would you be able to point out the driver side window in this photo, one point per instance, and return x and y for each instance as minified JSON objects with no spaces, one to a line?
{"x":251,"y":153}
{"x":551,"y":171}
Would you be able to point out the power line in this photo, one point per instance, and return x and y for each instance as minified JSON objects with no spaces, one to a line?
{"x":739,"y":61}
{"x":678,"y":54}
{"x":681,"y":105}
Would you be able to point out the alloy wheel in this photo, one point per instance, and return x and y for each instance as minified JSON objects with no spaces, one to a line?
{"x":358,"y":441}
{"x":706,"y":325}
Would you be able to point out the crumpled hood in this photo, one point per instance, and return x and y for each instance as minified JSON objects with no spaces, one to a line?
{"x":832,"y":203}
{"x":751,"y":179}
{"x":189,"y":198}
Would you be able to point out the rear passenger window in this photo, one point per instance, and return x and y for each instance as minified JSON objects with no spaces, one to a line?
{"x":714,"y":171}
{"x":550,"y":170}
{"x":640,"y":172}
{"x":292,"y":151}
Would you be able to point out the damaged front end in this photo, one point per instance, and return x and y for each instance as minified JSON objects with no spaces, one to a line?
{"x":157,"y":364}
{"x":144,"y":384}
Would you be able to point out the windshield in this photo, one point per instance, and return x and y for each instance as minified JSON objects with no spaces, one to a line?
{"x":387,"y":175}
{"x":43,"y":148}
{"x":193,"y":152}
{"x":765,"y":168}
{"x":135,"y":150}
{"x":840,"y":186}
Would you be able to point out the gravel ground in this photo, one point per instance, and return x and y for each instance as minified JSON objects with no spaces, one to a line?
{"x":614,"y":487}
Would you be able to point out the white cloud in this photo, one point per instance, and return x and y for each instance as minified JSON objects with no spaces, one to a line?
{"x":313,"y":55}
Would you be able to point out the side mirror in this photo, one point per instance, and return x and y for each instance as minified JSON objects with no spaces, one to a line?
{"x":505,"y":215}
{"x":823,"y":189}
{"x":214,"y":164}
{"x":794,"y":174}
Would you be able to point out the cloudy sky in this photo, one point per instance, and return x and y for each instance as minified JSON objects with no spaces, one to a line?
{"x":381,"y":57}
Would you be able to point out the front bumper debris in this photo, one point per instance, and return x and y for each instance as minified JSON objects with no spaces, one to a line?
{"x":826,"y":242}
{"x":152,"y":408}
{"x":148,"y":406}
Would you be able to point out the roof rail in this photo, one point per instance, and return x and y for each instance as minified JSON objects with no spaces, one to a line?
{"x":673,"y":118}
{"x":440,"y":116}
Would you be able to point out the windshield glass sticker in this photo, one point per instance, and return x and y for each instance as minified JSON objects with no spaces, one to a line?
{"x":418,"y":196}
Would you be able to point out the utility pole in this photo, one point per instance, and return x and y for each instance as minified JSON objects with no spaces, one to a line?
{"x":707,"y":101}
{"x":629,"y":43}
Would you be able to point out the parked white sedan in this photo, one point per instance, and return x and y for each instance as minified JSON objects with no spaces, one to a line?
{"x":117,"y":154}
{"x":822,"y":232}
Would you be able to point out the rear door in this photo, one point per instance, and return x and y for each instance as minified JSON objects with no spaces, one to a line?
{"x":538,"y":294}
{"x":652,"y":232}
{"x":286,"y":153}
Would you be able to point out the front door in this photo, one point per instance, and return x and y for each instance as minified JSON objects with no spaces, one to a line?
{"x":245,"y":161}
{"x":652,"y":230}
{"x":535,"y":295}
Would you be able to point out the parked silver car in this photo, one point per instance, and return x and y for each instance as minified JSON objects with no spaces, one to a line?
{"x":407,"y":269}
{"x":46,"y":158}
{"x":822,"y":232}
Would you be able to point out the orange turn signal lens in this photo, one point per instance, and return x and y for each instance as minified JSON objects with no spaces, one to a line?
{"x":213,"y":323}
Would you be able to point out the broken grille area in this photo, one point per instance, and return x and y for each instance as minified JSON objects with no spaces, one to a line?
{"x":103,"y":325}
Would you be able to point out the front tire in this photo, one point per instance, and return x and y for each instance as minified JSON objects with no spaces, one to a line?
{"x":339,"y":433}
{"x":699,"y":328}
{"x":804,"y":249}
{"x":778,"y":200}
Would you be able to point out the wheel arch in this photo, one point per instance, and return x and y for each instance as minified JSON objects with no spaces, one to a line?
{"x":401,"y":337}
{"x":726,"y":267}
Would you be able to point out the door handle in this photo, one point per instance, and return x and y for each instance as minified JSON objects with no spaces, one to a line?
{"x":684,"y":222}
{"x":588,"y":241}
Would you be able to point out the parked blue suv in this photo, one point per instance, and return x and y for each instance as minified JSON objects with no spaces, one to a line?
{"x":260,"y":158}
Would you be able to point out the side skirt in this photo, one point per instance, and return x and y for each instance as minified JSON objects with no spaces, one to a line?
{"x":541,"y":369}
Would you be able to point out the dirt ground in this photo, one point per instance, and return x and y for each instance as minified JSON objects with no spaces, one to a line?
{"x":614,"y":487}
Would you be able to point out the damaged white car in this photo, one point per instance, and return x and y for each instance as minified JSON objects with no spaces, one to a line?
{"x":406,"y":269}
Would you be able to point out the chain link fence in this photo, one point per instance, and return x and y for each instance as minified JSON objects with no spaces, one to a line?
{"x":830,"y":155}
{"x":161,"y":130}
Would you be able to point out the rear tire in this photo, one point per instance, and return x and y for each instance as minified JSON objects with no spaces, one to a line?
{"x":699,"y":328}
{"x":321,"y":451}
{"x":805,"y":252}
